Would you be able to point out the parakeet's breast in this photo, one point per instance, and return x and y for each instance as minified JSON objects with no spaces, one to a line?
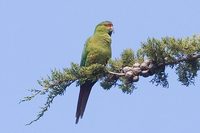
{"x":99,"y":50}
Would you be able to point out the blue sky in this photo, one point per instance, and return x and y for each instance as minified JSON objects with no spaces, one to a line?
{"x":39,"y":35}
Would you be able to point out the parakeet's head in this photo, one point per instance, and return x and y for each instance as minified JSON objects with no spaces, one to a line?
{"x":105,"y":26}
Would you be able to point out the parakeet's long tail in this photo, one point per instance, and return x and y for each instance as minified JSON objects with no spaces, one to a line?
{"x":84,"y":93}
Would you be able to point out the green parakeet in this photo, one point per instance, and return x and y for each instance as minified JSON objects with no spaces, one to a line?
{"x":97,"y":49}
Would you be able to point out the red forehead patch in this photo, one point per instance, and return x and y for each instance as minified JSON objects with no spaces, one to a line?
{"x":109,"y":25}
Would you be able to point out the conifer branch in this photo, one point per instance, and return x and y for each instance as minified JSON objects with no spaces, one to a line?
{"x":150,"y":60}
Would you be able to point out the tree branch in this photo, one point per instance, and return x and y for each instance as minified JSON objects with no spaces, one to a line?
{"x":150,"y":60}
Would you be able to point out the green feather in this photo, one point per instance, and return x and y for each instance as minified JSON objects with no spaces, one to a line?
{"x":97,"y":49}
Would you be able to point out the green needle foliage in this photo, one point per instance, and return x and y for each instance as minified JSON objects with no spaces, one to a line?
{"x":150,"y":60}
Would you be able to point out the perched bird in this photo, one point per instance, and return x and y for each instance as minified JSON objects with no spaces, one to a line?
{"x":97,"y":49}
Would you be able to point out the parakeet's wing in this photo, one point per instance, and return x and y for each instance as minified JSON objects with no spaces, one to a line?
{"x":84,"y":53}
{"x":85,"y":88}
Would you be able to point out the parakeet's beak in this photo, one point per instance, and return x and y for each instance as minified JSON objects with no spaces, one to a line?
{"x":111,"y":30}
